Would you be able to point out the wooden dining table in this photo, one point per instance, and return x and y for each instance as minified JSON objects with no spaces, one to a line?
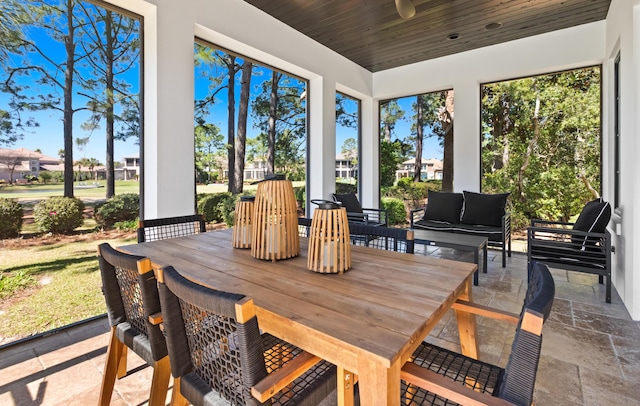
{"x":367,"y":321}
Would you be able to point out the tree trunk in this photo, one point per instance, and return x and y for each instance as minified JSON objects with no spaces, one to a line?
{"x":417,"y":171}
{"x":447,"y":121}
{"x":273,"y":116}
{"x":387,"y":132}
{"x":68,"y":103}
{"x":241,"y":139}
{"x":534,"y":140}
{"x":109,"y":61}
{"x":231,"y":116}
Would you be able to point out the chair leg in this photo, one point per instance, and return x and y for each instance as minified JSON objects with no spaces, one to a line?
{"x":122,"y":363}
{"x":110,"y":368}
{"x":160,"y":382}
{"x":176,"y":397}
{"x":608,"y":289}
{"x":504,"y":254}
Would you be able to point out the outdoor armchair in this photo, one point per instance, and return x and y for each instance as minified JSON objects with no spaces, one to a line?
{"x":170,"y":227}
{"x":357,"y":214}
{"x":216,"y":349}
{"x":436,"y":376}
{"x":583,"y":246}
{"x":131,"y":294}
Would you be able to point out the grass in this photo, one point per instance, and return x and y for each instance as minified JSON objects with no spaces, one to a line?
{"x":42,"y":191}
{"x":50,"y":285}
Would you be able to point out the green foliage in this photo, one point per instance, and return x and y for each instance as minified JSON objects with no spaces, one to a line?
{"x":10,"y":283}
{"x":395,"y":209}
{"x":344,"y":188}
{"x":10,"y":218}
{"x":45,"y":177}
{"x":228,"y":209}
{"x":127,"y":225}
{"x":59,"y":215}
{"x":124,"y":207}
{"x":541,"y":142}
{"x":391,"y":156}
{"x":210,"y":205}
{"x":412,"y":193}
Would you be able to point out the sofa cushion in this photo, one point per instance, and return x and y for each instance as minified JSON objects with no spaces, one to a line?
{"x":484,"y":209}
{"x":349,"y":201}
{"x":593,"y":218}
{"x":444,"y":206}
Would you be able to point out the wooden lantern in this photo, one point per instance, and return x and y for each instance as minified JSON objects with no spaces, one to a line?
{"x":274,"y":232}
{"x":329,"y":248}
{"x":242,"y":222}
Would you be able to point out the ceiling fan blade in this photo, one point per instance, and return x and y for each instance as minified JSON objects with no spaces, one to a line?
{"x":405,"y":8}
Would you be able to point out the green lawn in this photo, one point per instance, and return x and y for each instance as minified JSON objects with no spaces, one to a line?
{"x":42,"y":191}
{"x":51,"y":285}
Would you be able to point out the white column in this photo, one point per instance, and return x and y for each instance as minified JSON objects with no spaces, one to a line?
{"x":370,"y":153}
{"x":466,"y":136}
{"x":322,"y":139}
{"x":169,"y":186}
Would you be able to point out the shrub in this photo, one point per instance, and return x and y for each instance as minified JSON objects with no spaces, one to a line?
{"x":395,"y":210}
{"x":127,"y":225}
{"x":228,"y":209}
{"x":46,"y":177}
{"x":10,"y":218}
{"x":344,"y":188}
{"x":125,"y":207}
{"x":59,"y":215}
{"x":210,"y":206}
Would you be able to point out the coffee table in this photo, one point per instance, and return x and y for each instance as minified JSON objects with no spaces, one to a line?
{"x":463,"y":242}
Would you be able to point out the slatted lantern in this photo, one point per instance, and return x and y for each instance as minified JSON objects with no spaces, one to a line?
{"x":329,"y":248}
{"x":274,"y":231}
{"x":242,"y":220}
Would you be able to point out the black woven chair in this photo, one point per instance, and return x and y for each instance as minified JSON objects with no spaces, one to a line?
{"x":436,"y":376}
{"x":384,"y":238}
{"x":131,"y":294}
{"x":583,"y":246}
{"x":304,"y":226}
{"x":216,"y":349}
{"x":170,"y":227}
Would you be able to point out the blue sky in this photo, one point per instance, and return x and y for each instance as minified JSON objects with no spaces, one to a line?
{"x":48,"y":137}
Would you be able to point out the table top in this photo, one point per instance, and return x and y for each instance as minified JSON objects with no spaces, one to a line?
{"x":446,"y":237}
{"x":380,"y":309}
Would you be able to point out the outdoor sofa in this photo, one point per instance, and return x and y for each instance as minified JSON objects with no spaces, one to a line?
{"x":467,"y":213}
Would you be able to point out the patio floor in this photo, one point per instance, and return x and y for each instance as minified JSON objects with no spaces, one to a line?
{"x":590,"y":354}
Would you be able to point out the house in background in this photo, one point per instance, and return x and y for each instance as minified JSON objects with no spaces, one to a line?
{"x":17,"y":163}
{"x":130,"y":169}
{"x":429,"y":169}
{"x":346,"y":167}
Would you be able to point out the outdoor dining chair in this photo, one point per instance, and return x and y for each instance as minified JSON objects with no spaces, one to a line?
{"x":216,"y":349}
{"x":131,"y":293}
{"x":170,"y":227}
{"x":436,"y":376}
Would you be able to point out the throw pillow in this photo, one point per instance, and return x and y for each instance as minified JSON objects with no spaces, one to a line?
{"x":594,"y":217}
{"x":443,"y":206}
{"x":484,"y":209}
{"x":349,"y":201}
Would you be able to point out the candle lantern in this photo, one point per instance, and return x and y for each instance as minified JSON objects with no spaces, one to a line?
{"x":329,"y":248}
{"x":274,"y":230}
{"x":242,"y":220}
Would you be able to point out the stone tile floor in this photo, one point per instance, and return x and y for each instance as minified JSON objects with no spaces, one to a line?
{"x":590,"y":354}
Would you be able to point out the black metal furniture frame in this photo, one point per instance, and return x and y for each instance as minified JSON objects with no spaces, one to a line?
{"x":170,"y":227}
{"x":559,"y":246}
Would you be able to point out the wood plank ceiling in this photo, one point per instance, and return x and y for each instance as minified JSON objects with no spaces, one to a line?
{"x":371,"y":34}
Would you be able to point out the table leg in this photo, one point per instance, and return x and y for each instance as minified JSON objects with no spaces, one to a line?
{"x":345,"y":387}
{"x":476,"y":253}
{"x":378,"y":385}
{"x":484,"y":257}
{"x":467,"y":325}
